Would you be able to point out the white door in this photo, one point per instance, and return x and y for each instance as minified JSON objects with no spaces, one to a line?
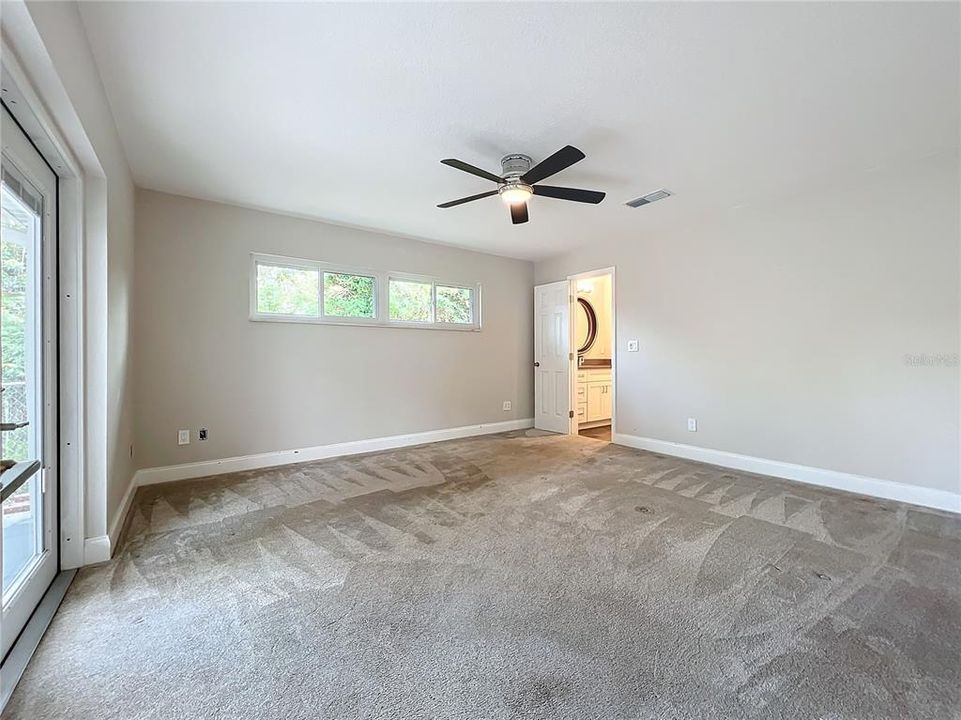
{"x":552,"y":360}
{"x":28,"y":403}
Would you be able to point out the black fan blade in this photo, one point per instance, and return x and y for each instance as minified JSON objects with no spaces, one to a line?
{"x":461,"y":165}
{"x":452,"y":203}
{"x":584,"y":196}
{"x":563,"y":158}
{"x":519,"y":213}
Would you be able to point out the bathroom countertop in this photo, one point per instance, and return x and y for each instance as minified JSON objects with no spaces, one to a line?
{"x":588,"y":363}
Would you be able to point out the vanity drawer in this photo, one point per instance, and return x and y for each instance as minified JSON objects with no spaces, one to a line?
{"x":581,"y":393}
{"x":581,"y":412}
{"x":600,"y":375}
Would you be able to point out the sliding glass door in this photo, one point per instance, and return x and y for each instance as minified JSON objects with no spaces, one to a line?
{"x":28,"y":352}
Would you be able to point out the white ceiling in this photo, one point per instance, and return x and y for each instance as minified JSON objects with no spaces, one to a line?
{"x":343,"y":111}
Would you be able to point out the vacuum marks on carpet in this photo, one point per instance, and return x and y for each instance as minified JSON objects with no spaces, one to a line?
{"x":510,"y":576}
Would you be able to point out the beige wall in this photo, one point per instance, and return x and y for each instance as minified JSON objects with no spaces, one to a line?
{"x":785,"y":327}
{"x":265,"y":386}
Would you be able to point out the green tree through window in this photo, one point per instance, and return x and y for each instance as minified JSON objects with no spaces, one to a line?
{"x":348,"y":295}
{"x":13,"y":325}
{"x":297,"y":290}
{"x":410,"y":301}
{"x":288,"y":290}
{"x":454,"y":305}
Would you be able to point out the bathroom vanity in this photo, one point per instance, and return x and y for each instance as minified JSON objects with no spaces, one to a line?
{"x":594,"y":394}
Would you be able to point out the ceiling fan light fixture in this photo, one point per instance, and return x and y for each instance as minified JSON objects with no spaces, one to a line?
{"x":516,"y":194}
{"x":519,"y":178}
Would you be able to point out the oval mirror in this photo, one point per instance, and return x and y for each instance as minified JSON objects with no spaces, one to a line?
{"x":585,"y":326}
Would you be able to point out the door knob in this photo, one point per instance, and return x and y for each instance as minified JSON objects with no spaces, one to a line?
{"x":537,"y":364}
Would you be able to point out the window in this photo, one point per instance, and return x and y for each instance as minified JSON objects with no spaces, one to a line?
{"x":349,"y":296}
{"x":411,"y":301}
{"x":287,"y":290}
{"x":455,"y":305}
{"x":294,"y":290}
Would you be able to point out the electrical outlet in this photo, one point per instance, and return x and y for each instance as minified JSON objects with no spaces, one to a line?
{"x":183,"y":437}
{"x":202,"y":434}
{"x":692,"y":424}
{"x":632,"y":345}
{"x":507,"y":405}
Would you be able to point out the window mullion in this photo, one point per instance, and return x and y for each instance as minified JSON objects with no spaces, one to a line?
{"x":380,"y":309}
{"x":320,"y":293}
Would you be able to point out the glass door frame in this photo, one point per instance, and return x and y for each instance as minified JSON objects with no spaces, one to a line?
{"x":24,"y":163}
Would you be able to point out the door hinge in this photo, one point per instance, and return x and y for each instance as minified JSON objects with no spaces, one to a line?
{"x":570,"y":356}
{"x":43,"y":481}
{"x":570,"y":413}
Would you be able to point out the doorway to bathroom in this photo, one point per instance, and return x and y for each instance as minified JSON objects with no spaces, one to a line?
{"x":575,"y":358}
{"x":592,"y":347}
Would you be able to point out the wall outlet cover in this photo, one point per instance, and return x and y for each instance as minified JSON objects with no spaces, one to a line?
{"x":202,"y":434}
{"x":507,"y":405}
{"x":692,"y":424}
{"x":632,"y":345}
{"x":183,"y":437}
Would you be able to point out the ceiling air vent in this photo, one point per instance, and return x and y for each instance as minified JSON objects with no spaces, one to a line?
{"x":649,"y":198}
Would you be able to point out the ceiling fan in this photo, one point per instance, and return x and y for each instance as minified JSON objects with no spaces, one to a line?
{"x":516,"y":183}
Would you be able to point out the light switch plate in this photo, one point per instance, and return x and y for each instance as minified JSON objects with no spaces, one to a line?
{"x":183,"y":437}
{"x":632,"y":345}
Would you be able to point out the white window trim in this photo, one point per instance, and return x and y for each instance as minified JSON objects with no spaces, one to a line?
{"x":382,"y":280}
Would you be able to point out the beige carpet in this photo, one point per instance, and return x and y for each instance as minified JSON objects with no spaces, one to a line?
{"x":510,"y":576}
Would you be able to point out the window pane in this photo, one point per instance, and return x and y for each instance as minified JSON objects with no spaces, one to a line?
{"x":21,"y":523}
{"x":410,"y":301}
{"x":18,"y":228}
{"x":20,"y":375}
{"x":454,"y":305}
{"x":348,"y":295}
{"x":288,"y":290}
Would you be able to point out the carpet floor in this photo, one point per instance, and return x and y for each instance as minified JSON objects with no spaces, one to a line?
{"x":509,"y":576}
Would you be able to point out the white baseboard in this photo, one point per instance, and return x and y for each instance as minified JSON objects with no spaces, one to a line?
{"x":151,"y":476}
{"x":860,"y":484}
{"x":99,"y":549}
{"x":96,"y":550}
{"x":116,"y":524}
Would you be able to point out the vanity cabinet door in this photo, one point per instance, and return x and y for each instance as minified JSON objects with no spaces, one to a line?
{"x":607,"y":404}
{"x":595,"y":402}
